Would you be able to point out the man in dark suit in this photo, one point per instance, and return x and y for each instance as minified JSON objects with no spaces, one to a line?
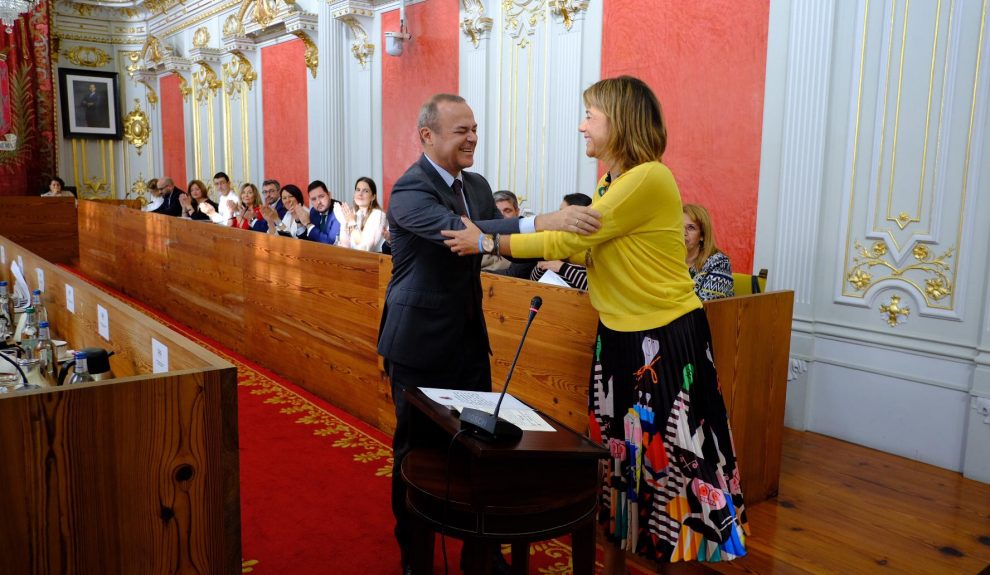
{"x":170,"y":205}
{"x":94,"y":105}
{"x":321,"y":225}
{"x":433,"y":331}
{"x":272,"y":191}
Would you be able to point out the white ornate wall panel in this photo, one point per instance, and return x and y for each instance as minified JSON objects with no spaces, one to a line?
{"x":524,"y":79}
{"x":872,"y":214}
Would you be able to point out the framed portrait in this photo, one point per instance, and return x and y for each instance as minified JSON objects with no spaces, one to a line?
{"x":90,"y":104}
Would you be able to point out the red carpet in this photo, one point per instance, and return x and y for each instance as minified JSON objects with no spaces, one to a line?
{"x":315,"y":482}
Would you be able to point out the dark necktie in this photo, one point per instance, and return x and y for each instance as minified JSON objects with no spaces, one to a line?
{"x":458,"y":188}
{"x":323,"y":223}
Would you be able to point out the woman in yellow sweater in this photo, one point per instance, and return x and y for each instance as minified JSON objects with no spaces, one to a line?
{"x":672,"y":488}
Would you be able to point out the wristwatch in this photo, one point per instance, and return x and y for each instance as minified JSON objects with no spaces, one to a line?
{"x":487,"y":244}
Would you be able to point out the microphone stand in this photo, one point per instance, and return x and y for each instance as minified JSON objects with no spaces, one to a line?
{"x":490,"y":426}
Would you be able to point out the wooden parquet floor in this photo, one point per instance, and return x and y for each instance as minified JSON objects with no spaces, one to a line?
{"x":847,"y":509}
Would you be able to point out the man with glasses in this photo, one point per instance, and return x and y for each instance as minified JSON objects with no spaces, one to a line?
{"x":273,"y":196}
{"x":170,"y":198}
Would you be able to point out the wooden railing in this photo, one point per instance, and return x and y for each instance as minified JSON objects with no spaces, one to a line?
{"x":310,"y":313}
{"x":137,"y":474}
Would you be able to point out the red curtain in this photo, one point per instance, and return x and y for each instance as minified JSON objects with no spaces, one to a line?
{"x":27,"y":104}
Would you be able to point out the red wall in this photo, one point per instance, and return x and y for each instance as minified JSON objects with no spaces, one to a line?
{"x":286,"y":134}
{"x":706,"y":61}
{"x":173,"y":132}
{"x":428,"y":65}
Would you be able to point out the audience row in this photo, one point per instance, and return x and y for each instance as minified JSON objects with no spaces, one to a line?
{"x":362,"y":225}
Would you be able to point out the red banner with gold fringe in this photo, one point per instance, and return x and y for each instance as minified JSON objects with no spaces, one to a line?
{"x":27,"y":105}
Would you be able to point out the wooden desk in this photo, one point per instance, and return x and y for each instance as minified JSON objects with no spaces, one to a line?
{"x":325,"y":302}
{"x":135,"y":475}
{"x":544,"y":486}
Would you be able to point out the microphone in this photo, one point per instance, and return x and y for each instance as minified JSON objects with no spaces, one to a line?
{"x":489,"y":426}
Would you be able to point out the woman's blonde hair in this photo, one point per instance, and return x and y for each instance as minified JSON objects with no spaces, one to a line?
{"x":254,"y":192}
{"x":637,"y":131}
{"x":700,"y":216}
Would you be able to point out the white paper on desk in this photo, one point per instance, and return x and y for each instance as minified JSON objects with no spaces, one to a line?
{"x":553,"y":278}
{"x":512,"y":410}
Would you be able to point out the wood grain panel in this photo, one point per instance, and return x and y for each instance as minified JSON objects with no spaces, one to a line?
{"x":751,"y":341}
{"x":46,"y":226}
{"x":310,"y":313}
{"x":133,"y":475}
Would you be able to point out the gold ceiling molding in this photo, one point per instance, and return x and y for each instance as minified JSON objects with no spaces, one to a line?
{"x":312,"y":55}
{"x":238,"y":72}
{"x":522,"y":18}
{"x":567,"y":9}
{"x":201,"y":38}
{"x":88,"y":56}
{"x":475,"y":24}
{"x":893,"y":311}
{"x":201,"y":17}
{"x":160,"y":6}
{"x":876,"y":261}
{"x":262,"y":13}
{"x":137,"y":129}
{"x":360,"y":47}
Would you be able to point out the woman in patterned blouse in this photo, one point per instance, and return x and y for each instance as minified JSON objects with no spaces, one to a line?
{"x":708,"y":265}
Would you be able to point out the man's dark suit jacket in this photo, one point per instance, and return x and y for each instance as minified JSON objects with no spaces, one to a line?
{"x":434,"y":295}
{"x":170,"y":204}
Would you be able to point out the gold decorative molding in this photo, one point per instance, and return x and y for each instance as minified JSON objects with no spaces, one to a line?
{"x":205,"y":82}
{"x":161,"y":6}
{"x":88,"y":56}
{"x":934,"y":270}
{"x":153,"y":51}
{"x":522,"y":17}
{"x":137,"y":129}
{"x":222,"y":7}
{"x":184,"y":88}
{"x":312,"y":55}
{"x":894,"y":311}
{"x":238,"y":72}
{"x":360,"y":47}
{"x":201,"y":38}
{"x":135,"y":62}
{"x":150,"y":93}
{"x":475,"y":24}
{"x":567,"y":9}
{"x":138,"y":190}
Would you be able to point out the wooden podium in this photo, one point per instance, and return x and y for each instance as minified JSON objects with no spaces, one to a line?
{"x":543,"y":486}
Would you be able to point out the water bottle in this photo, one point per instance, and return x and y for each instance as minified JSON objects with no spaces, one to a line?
{"x":30,"y":330}
{"x":44,"y":351}
{"x":40,"y":313}
{"x":6,"y":313}
{"x":81,"y":372}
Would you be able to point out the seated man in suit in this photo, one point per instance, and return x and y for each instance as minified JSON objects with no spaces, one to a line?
{"x":321,"y":225}
{"x":170,"y":205}
{"x":508,"y":204}
{"x":272,"y":190}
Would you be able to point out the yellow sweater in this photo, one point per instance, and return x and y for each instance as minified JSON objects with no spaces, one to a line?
{"x":637,"y":278}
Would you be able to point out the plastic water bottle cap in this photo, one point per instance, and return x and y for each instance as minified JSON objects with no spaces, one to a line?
{"x":36,"y":292}
{"x":43,"y":324}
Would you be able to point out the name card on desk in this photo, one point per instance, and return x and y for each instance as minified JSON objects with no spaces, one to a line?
{"x":159,"y":356}
{"x":103,"y":322}
{"x":70,"y":298}
{"x":3,"y":255}
{"x":41,"y":279}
